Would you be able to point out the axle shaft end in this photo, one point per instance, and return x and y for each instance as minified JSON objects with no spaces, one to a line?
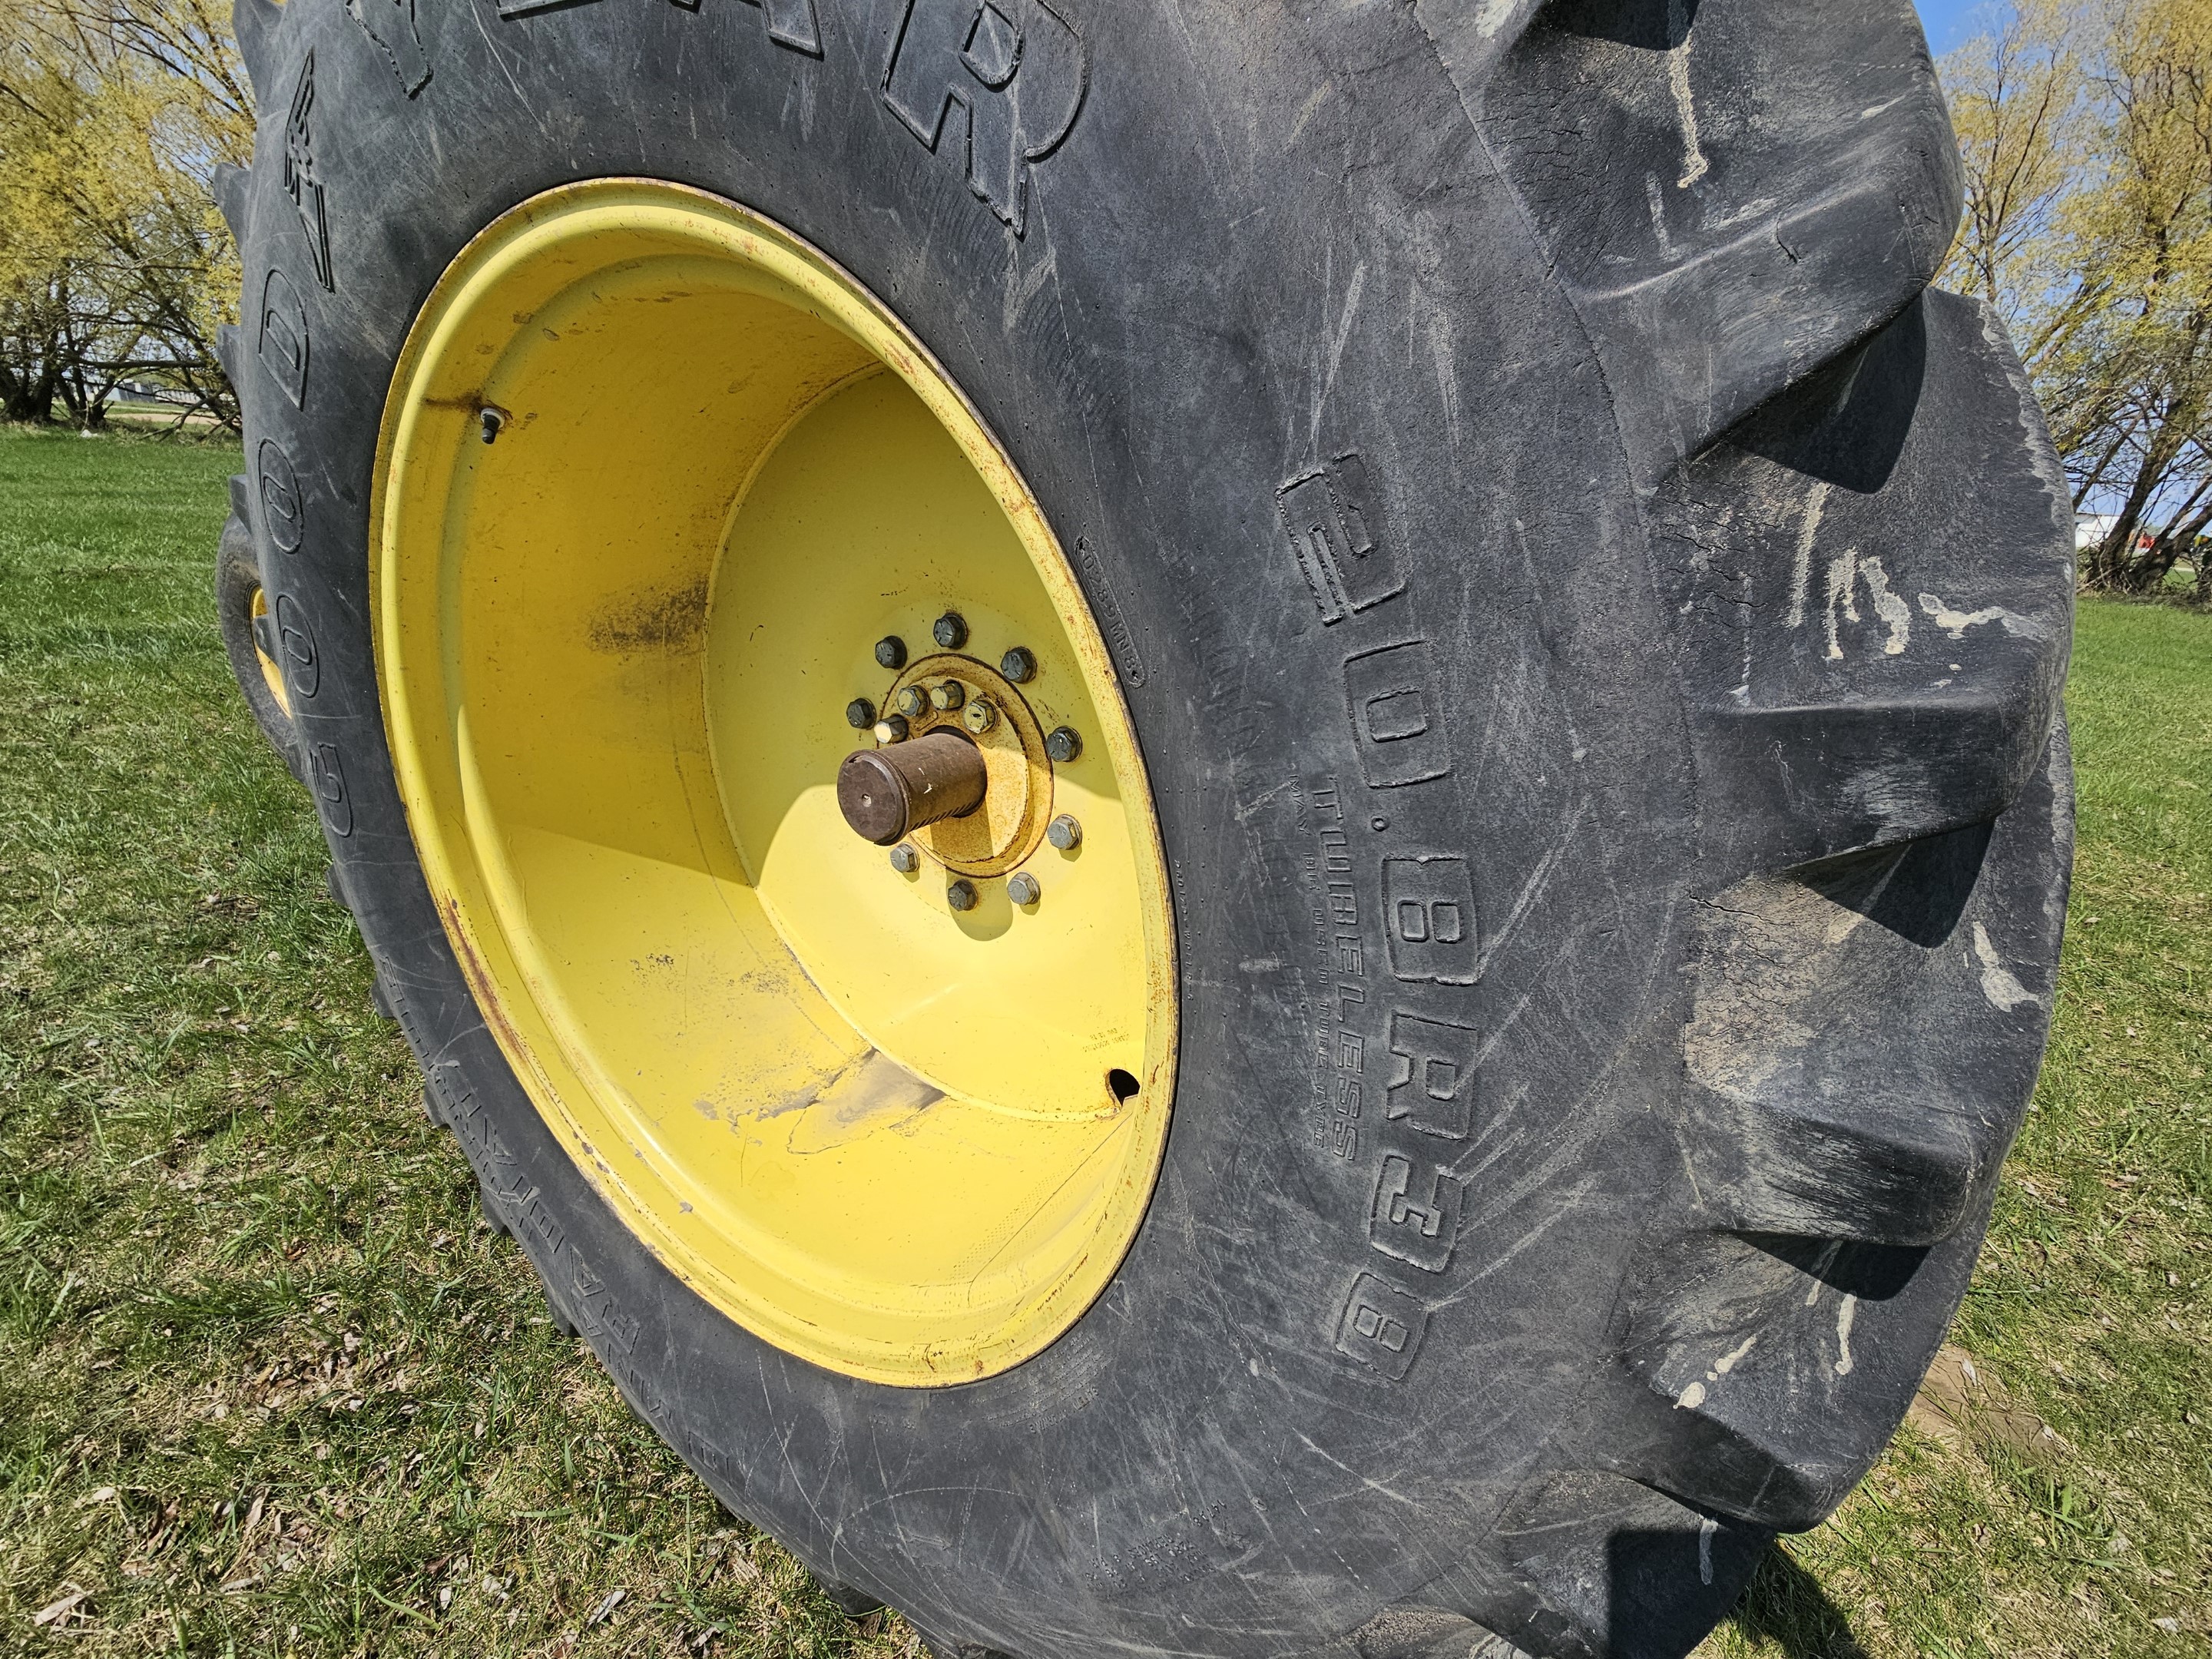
{"x":887,"y":793}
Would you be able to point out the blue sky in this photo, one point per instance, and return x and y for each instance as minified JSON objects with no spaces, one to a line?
{"x":1948,"y":22}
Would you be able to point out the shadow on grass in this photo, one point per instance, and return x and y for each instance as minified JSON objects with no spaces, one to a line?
{"x":1785,"y":1605}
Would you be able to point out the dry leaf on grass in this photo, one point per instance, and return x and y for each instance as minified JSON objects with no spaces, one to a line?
{"x":55,"y":1611}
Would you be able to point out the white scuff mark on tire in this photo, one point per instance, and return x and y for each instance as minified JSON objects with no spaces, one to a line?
{"x":1706,"y":1529}
{"x":1366,"y":1480}
{"x":1843,"y":578}
{"x":1336,"y":346}
{"x":1264,"y":799}
{"x":1800,"y":580}
{"x":1536,"y":1233}
{"x":1307,"y":110}
{"x":2042,"y":453}
{"x":1492,"y":17}
{"x":1027,"y":286}
{"x":1741,"y":690}
{"x":1691,"y":1398}
{"x":1694,"y":165}
{"x":1655,"y":200}
{"x":2005,"y":991}
{"x":1845,"y":1313}
{"x":1894,"y":612}
{"x":1532,"y":889}
{"x":1443,"y":349}
{"x":1727,"y":1361}
{"x":1845,"y":572}
{"x":1956,"y":622}
{"x":1827,"y":1258}
{"x":1758,"y":207}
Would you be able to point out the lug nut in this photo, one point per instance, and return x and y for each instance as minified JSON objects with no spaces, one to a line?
{"x":1018,"y":665}
{"x":1065,"y":833}
{"x":890,"y":651}
{"x":961,"y":895}
{"x":913,"y":702}
{"x":860,"y":714}
{"x":947,"y":695}
{"x":980,"y":717}
{"x":892,"y":729}
{"x":904,"y":858}
{"x":1023,"y":889}
{"x":950,"y":630}
{"x":1062,"y":743}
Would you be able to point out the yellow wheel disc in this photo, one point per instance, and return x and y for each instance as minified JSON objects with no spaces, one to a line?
{"x":656,"y":479}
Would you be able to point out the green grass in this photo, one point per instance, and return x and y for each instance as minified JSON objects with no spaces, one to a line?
{"x":267,"y":1386}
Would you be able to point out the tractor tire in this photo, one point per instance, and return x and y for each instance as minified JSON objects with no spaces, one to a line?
{"x":250,"y":641}
{"x":1579,"y":620}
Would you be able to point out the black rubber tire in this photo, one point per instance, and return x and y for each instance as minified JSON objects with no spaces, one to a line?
{"x":1518,"y":468}
{"x":237,"y":580}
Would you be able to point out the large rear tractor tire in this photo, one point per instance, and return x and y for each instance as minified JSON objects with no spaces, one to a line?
{"x":1236,"y":832}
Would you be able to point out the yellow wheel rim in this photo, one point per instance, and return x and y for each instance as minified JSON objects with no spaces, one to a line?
{"x":272,"y":672}
{"x":655,"y":479}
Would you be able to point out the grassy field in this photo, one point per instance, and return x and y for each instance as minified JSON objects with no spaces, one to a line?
{"x":266,"y":1385}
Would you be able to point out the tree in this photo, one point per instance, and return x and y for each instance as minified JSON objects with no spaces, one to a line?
{"x":114,"y":262}
{"x":2086,"y":135}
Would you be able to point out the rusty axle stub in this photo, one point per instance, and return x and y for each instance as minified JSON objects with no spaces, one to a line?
{"x":887,"y":793}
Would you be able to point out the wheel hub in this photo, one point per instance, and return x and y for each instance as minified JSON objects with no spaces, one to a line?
{"x":1017,"y":779}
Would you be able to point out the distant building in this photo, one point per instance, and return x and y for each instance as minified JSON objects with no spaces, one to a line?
{"x":2090,"y":528}
{"x":145,"y":391}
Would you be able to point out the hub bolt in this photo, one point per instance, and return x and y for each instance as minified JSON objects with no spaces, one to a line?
{"x":1018,"y":665}
{"x":904,"y":858}
{"x":860,"y":714}
{"x":1023,"y":889}
{"x":980,"y":717}
{"x":950,"y":630}
{"x":1062,"y":743}
{"x":892,"y":729}
{"x":890,"y":651}
{"x":913,"y":702}
{"x":961,"y":895}
{"x":947,"y":695}
{"x":1065,"y":833}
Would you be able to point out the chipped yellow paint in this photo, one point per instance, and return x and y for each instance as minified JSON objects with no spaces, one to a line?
{"x":615,"y":648}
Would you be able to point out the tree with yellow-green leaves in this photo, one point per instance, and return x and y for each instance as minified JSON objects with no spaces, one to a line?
{"x":2086,"y":127}
{"x":113,"y":263}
